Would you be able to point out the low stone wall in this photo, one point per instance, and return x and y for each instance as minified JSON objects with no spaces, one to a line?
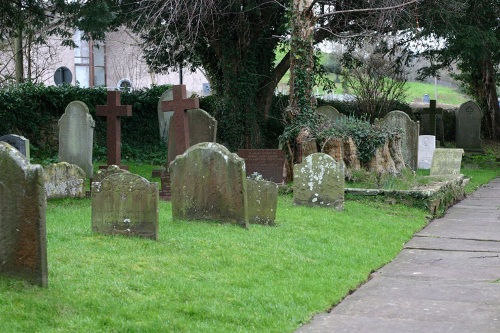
{"x":435,"y":198}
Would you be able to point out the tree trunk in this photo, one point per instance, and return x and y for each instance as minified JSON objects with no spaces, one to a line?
{"x":18,"y":56}
{"x":301,"y":57}
{"x":491,"y":98}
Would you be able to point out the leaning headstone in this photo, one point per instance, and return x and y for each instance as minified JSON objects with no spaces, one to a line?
{"x":164,"y":117}
{"x":319,"y":181}
{"x":64,"y":180}
{"x":409,"y":134}
{"x":202,"y":127}
{"x":19,"y":142}
{"x":76,"y":136}
{"x":262,"y":201}
{"x":446,"y":162}
{"x":330,"y":113}
{"x":23,"y":238}
{"x":125,"y":204}
{"x":426,"y":147}
{"x":268,"y":163}
{"x":209,"y":183}
{"x":468,"y":127}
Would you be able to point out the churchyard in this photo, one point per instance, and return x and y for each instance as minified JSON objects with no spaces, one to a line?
{"x":223,"y":251}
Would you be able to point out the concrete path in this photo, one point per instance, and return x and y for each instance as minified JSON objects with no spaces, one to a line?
{"x":446,"y":279}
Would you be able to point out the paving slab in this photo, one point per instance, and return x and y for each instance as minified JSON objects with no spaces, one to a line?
{"x":446,"y":279}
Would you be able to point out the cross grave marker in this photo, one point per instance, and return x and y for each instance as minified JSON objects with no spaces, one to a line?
{"x":113,"y":110}
{"x":179,"y":105}
{"x":432,"y":111}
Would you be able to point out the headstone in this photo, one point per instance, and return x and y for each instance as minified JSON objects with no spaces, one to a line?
{"x":330,"y":113}
{"x":432,"y":112}
{"x":262,"y":198}
{"x":209,"y":183}
{"x":19,"y":142}
{"x":202,"y":127}
{"x":319,"y":181}
{"x":164,"y":117}
{"x":64,"y":180}
{"x":468,"y":127}
{"x":23,"y":238}
{"x":446,"y":162}
{"x":113,"y":110}
{"x":125,"y":204}
{"x":409,"y":135}
{"x":267,"y":162}
{"x":179,"y":105}
{"x":76,"y":136}
{"x":426,"y":147}
{"x":103,"y":173}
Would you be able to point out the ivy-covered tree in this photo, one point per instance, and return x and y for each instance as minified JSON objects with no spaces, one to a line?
{"x":469,"y":35}
{"x":235,"y":42}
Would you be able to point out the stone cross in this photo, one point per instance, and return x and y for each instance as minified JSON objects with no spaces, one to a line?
{"x":432,"y":112}
{"x":179,"y":105}
{"x":112,"y":111}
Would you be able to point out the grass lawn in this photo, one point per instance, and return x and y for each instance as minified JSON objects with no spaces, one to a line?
{"x":206,"y":276}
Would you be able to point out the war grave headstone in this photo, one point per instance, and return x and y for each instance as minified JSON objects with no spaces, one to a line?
{"x":209,"y":183}
{"x":262,"y":197}
{"x":446,"y":162}
{"x":76,"y":136}
{"x":125,"y":204}
{"x":330,"y":113}
{"x":468,"y":127}
{"x":19,"y":142}
{"x":267,"y":162}
{"x":409,"y":135}
{"x":23,"y":237}
{"x":113,"y":111}
{"x":426,"y":147}
{"x":319,"y":181}
{"x":64,"y":180}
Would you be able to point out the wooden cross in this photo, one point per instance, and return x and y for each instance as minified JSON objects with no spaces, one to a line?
{"x":179,"y":105}
{"x":112,"y":111}
{"x":432,"y":112}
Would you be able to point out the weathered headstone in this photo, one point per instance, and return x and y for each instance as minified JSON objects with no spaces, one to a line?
{"x":319,"y":181}
{"x":164,"y":117}
{"x":446,"y":162}
{"x":23,"y":238}
{"x":103,"y":173}
{"x":468,"y":127}
{"x":209,"y":183}
{"x":19,"y":142}
{"x":267,"y":162}
{"x":76,"y":136}
{"x":330,"y":113}
{"x":262,"y":198}
{"x":113,"y":110}
{"x":202,"y":127}
{"x":125,"y":204}
{"x":64,"y":180}
{"x":426,"y":147}
{"x":409,"y":135}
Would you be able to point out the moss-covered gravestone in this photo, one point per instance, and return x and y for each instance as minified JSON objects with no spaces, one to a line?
{"x":446,"y":162}
{"x":319,"y":181}
{"x":262,"y":201}
{"x":209,"y":183}
{"x":125,"y":204}
{"x":23,"y":239}
{"x":64,"y":180}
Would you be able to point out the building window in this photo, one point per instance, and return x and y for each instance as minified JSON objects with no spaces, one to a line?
{"x":90,"y":67}
{"x":63,"y":76}
{"x":124,"y":84}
